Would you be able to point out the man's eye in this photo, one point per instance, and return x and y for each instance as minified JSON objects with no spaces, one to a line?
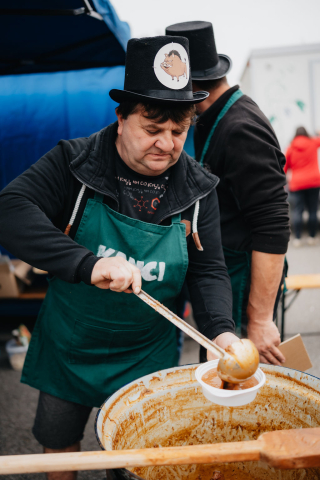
{"x":153,"y":132}
{"x":178,"y":133}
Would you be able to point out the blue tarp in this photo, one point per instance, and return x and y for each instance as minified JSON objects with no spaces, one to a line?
{"x":51,"y":100}
{"x":55,"y":75}
{"x":37,"y":110}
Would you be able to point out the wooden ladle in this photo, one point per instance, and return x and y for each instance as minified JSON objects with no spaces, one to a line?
{"x":237,"y":363}
{"x":282,"y":449}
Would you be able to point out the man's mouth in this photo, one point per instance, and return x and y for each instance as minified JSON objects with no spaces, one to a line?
{"x":160,"y":156}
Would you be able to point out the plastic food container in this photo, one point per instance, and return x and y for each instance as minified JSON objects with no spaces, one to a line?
{"x":16,"y":353}
{"x":228,"y":398}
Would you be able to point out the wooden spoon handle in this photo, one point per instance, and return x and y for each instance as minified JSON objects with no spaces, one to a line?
{"x":55,"y":462}
{"x":184,"y":326}
{"x":282,"y":449}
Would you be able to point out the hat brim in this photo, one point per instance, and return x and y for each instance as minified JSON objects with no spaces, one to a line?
{"x":127,"y":96}
{"x":225,"y":67}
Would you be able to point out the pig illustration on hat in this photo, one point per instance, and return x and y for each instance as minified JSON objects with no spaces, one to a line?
{"x":174,"y":66}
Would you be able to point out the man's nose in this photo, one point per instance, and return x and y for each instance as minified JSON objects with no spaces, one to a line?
{"x":165,"y":142}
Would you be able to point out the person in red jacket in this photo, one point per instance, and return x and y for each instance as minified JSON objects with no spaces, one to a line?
{"x":303,"y":158}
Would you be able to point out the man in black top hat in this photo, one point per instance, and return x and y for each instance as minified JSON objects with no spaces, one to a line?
{"x":236,"y":142}
{"x":106,"y":214}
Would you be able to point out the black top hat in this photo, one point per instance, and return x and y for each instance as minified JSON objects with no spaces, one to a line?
{"x":158,"y":70}
{"x":206,"y":64}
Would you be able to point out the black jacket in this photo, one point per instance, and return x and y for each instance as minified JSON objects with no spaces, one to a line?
{"x":36,"y":208}
{"x":244,"y":153}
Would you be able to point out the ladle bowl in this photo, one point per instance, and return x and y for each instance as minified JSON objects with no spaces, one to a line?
{"x":239,"y":363}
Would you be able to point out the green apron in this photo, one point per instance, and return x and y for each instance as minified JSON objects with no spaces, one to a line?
{"x":88,"y":342}
{"x":238,"y":262}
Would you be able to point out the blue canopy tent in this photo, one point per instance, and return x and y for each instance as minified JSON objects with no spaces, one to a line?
{"x":59,"y":59}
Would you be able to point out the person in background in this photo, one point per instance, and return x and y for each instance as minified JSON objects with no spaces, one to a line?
{"x":303,"y":173}
{"x":235,"y":141}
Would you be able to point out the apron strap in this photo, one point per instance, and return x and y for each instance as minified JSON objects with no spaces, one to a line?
{"x":234,"y":97}
{"x":98,"y":196}
{"x":176,"y":218}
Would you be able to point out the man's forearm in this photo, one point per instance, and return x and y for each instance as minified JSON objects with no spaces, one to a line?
{"x":266,"y":273}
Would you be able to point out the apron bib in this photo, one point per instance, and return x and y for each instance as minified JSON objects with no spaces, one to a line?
{"x":88,"y":342}
{"x":238,"y":262}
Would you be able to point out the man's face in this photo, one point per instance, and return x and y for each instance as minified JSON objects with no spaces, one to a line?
{"x":148,"y":147}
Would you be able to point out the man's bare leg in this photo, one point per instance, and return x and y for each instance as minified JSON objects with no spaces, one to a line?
{"x":63,"y":475}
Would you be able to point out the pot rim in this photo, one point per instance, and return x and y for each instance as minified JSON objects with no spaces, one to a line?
{"x":110,"y":399}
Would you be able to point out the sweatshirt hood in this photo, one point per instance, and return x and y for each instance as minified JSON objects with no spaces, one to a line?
{"x":94,"y":167}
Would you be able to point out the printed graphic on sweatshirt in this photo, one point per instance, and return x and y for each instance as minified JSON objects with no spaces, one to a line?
{"x":143,"y":196}
{"x":141,"y":204}
{"x":171,"y":66}
{"x":150,"y":271}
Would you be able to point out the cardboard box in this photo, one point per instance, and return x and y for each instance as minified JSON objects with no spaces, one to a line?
{"x":296,"y":354}
{"x":14,"y":276}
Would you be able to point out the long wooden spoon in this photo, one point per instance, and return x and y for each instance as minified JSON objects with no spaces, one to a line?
{"x":238,"y":363}
{"x":282,"y":449}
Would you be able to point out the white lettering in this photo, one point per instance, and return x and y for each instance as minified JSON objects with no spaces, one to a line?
{"x":101,"y":250}
{"x":122,"y":255}
{"x":103,"y":253}
{"x":138,"y":264}
{"x":162,"y":267}
{"x":146,"y":271}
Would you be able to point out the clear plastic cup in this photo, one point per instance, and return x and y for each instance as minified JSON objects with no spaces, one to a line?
{"x":228,"y":398}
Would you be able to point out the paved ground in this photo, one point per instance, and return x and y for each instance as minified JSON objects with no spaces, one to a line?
{"x":18,"y":402}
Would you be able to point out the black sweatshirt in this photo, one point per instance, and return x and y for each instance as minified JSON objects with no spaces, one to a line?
{"x":139,"y":196}
{"x":36,"y":208}
{"x":244,"y":153}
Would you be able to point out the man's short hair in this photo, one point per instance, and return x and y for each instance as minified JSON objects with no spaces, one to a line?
{"x":210,"y":85}
{"x":161,"y":113}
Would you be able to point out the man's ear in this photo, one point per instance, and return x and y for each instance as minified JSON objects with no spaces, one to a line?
{"x":120,"y":122}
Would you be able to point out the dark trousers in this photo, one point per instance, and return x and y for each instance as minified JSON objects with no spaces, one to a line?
{"x":300,"y":200}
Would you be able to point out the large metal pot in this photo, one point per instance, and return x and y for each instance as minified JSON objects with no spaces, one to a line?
{"x":168,"y":408}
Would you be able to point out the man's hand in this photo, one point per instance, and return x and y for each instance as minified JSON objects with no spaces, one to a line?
{"x":265,"y":335}
{"x":223,"y":341}
{"x":116,"y":274}
{"x":266,"y":272}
